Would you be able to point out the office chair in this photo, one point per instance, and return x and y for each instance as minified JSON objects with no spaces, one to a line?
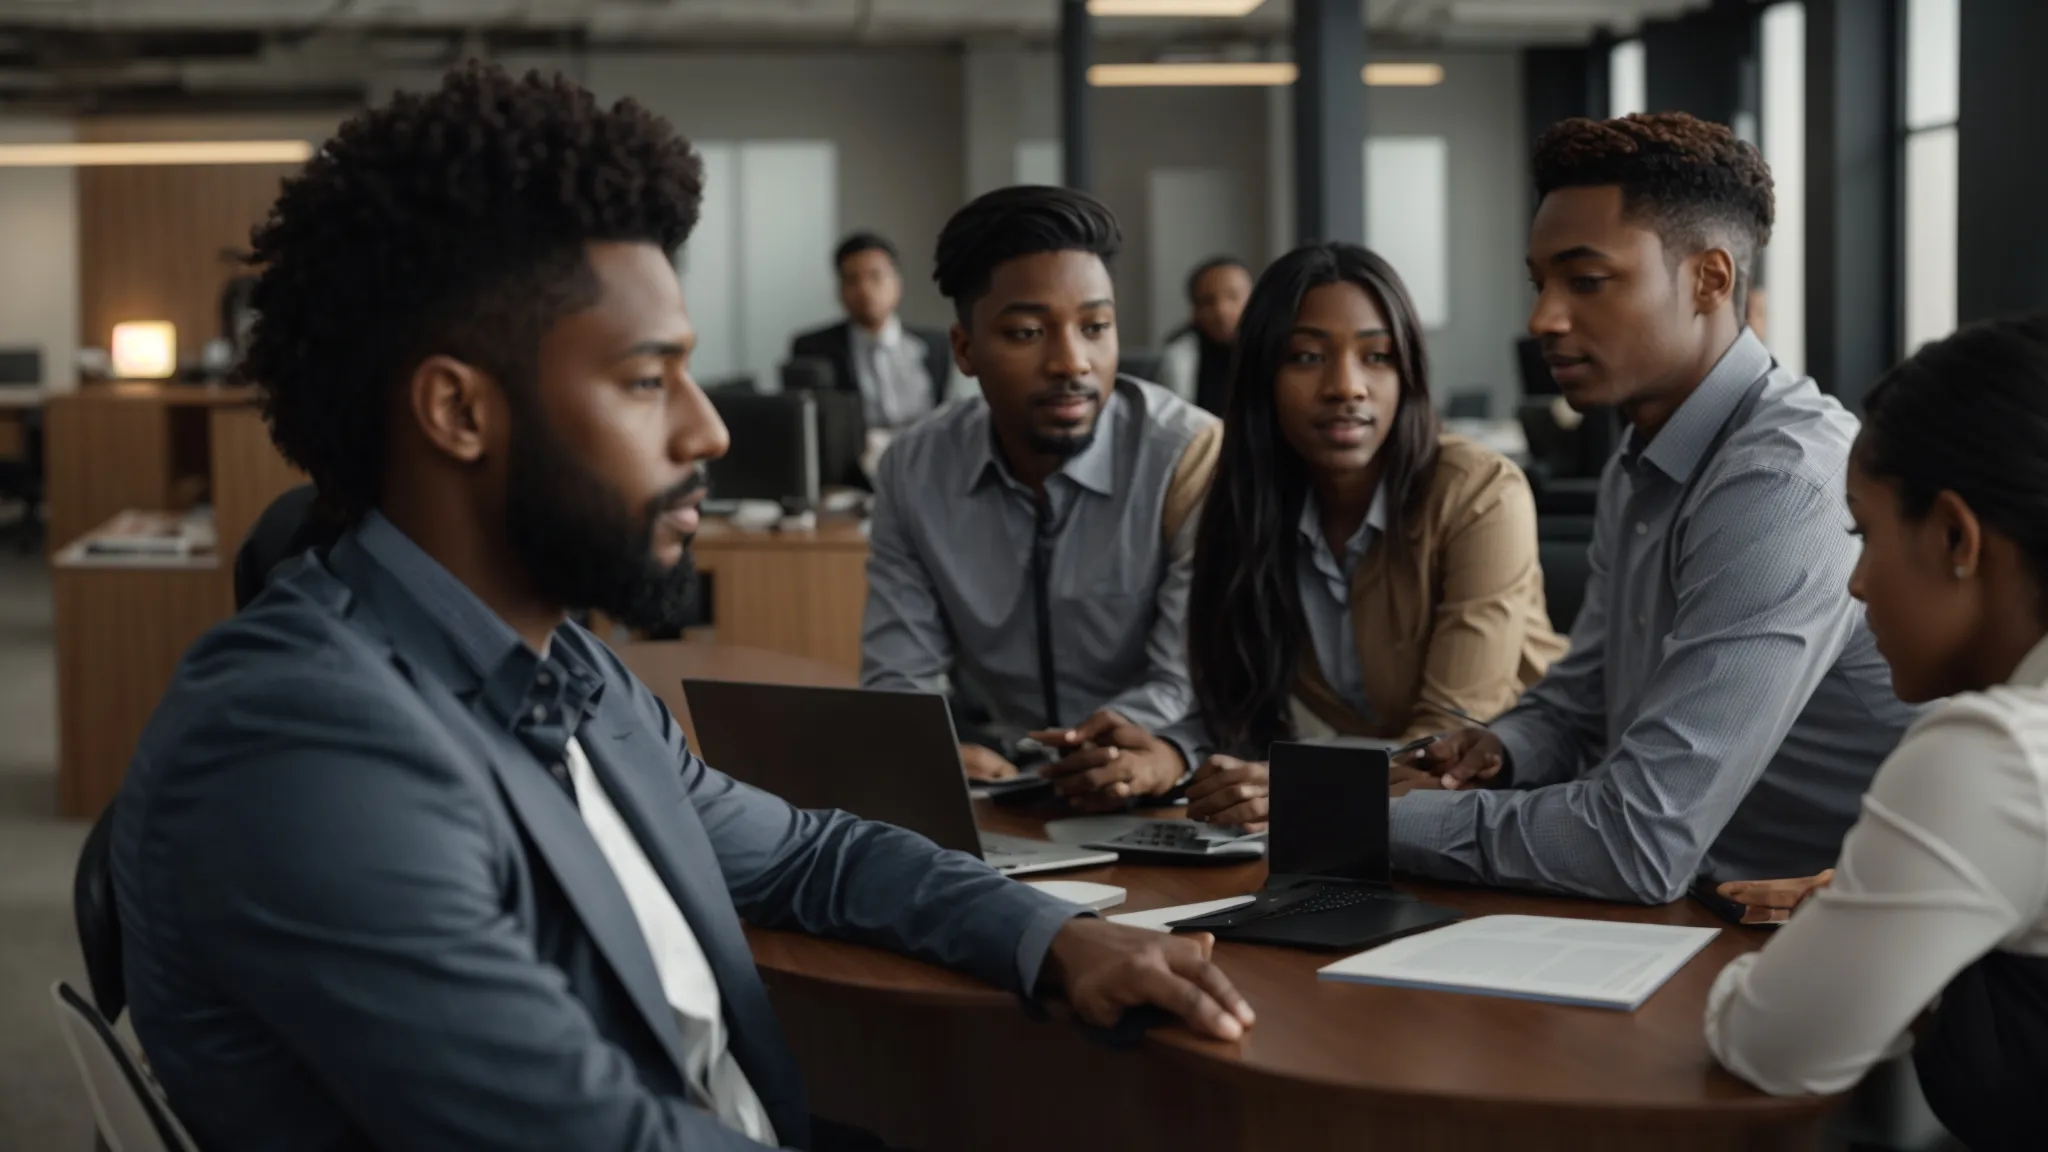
{"x":809,"y":374}
{"x":739,"y":385}
{"x":1563,"y":551}
{"x":21,"y":478}
{"x":99,"y":923}
{"x":128,"y":1106}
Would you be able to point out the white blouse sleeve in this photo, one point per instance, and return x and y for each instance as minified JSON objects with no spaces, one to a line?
{"x":1949,"y":859}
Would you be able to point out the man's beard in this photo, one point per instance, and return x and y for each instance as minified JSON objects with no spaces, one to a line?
{"x":1061,"y":445}
{"x":1065,"y":445}
{"x":582,"y":546}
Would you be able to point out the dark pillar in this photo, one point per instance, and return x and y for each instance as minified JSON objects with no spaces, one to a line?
{"x":2001,"y":243}
{"x":1852,"y":221}
{"x":1600,"y":74}
{"x":1077,"y":129}
{"x":1555,"y":86}
{"x":1329,"y":120}
{"x":1696,"y":63}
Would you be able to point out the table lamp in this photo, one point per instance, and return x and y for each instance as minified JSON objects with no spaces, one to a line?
{"x":145,"y":350}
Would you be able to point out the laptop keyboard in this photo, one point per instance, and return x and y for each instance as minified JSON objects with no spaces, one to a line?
{"x":1330,"y":898}
{"x":1179,"y":835}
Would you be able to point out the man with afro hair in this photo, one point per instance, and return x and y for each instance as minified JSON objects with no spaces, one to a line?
{"x":405,"y":859}
{"x":1723,"y":707}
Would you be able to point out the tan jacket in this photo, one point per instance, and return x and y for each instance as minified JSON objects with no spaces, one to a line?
{"x":1460,"y":622}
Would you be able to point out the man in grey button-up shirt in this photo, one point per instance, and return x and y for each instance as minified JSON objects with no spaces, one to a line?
{"x":1030,"y":548}
{"x":1723,"y":707}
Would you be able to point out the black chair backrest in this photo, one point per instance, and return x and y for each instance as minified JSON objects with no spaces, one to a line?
{"x":284,"y":530}
{"x":1562,"y":547}
{"x":809,"y":373}
{"x":99,"y":925}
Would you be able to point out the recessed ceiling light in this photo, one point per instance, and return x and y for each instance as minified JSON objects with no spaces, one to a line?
{"x":166,"y":152}
{"x":1193,"y":74}
{"x":1172,"y":7}
{"x":1253,"y":74}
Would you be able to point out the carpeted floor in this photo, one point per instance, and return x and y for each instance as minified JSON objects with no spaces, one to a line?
{"x":42,"y":1107}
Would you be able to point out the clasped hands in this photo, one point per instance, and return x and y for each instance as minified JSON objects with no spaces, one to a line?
{"x":1102,"y":762}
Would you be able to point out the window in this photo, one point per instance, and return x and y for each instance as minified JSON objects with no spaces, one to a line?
{"x":1783,"y":91}
{"x":1038,"y":162}
{"x":1628,"y":79}
{"x":758,"y":268}
{"x":1407,"y":217}
{"x":1929,"y":162}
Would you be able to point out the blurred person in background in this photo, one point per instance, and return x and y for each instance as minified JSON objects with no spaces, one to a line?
{"x":1195,"y":364}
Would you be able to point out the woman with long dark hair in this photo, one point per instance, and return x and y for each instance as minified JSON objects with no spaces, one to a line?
{"x":1940,"y":896}
{"x":1356,"y":571}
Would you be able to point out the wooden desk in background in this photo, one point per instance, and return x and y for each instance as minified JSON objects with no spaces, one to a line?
{"x":798,"y":593}
{"x":930,"y":1059}
{"x":148,"y":446}
{"x":122,"y":628}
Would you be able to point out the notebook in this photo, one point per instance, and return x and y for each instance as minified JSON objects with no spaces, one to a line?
{"x":1594,"y":963}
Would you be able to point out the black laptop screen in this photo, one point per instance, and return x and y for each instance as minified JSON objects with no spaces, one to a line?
{"x":1329,"y":812}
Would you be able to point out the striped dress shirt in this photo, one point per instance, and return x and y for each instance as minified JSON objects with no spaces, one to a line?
{"x":1723,"y":707}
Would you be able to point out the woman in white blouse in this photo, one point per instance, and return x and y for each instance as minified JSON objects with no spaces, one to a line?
{"x":1935,"y":919}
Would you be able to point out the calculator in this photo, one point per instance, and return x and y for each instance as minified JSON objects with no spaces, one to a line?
{"x":1183,"y":841}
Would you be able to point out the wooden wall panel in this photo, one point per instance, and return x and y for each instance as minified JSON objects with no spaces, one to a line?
{"x":103,"y":454}
{"x":150,"y":242}
{"x":150,"y":238}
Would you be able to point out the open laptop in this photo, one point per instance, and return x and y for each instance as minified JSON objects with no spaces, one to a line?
{"x":887,"y":756}
{"x":1329,"y":884}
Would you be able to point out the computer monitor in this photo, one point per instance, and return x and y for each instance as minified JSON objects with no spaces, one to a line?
{"x":774,"y":453}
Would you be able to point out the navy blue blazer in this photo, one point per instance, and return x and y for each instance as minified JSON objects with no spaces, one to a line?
{"x":362,"y":911}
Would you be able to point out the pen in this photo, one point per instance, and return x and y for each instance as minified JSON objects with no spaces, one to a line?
{"x":1418,"y":744}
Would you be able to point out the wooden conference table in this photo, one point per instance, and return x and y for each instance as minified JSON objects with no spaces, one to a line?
{"x":932,"y":1060}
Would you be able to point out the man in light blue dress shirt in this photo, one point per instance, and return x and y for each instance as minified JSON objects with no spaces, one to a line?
{"x":1722,"y":708}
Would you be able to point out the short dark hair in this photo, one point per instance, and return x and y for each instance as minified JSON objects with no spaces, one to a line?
{"x":450,"y":222}
{"x":1243,"y":660}
{"x":1024,"y":220}
{"x":1692,"y":180}
{"x":1969,"y":414}
{"x":1211,"y":265}
{"x":858,"y":243}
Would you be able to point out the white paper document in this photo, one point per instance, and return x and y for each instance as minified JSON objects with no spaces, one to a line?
{"x":1157,"y":919}
{"x":1596,"y":963}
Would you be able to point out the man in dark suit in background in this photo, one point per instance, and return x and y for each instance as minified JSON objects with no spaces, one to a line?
{"x":900,"y":372}
{"x":405,"y":858}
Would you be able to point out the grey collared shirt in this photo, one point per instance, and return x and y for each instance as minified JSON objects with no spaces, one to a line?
{"x":1723,"y":707}
{"x":1324,"y":587}
{"x":950,"y":594}
{"x":889,"y":366}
